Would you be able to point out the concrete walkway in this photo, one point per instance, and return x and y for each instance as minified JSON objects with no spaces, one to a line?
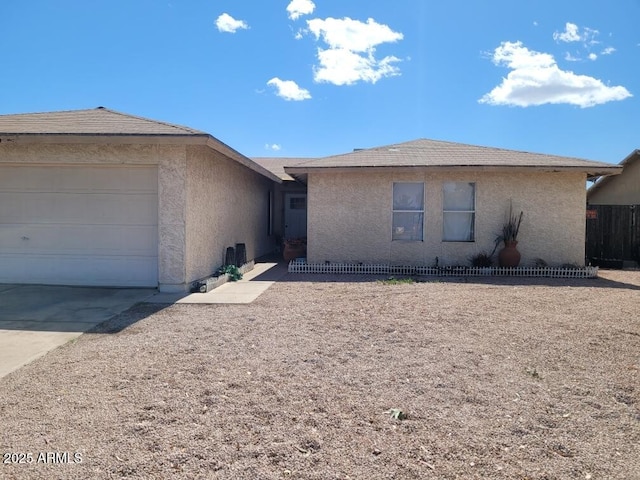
{"x":35,"y":319}
{"x":253,"y":284}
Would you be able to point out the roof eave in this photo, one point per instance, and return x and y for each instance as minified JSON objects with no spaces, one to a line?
{"x":103,"y":138}
{"x":227,"y":151}
{"x":633,"y":156}
{"x":300,"y":177}
{"x":596,"y":170}
{"x":138,"y":139}
{"x":601,"y":180}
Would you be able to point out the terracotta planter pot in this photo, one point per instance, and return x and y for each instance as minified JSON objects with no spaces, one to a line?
{"x":291,"y":252}
{"x":509,"y":256}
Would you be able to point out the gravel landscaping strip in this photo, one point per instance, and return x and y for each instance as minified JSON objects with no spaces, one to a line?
{"x":345,"y":377}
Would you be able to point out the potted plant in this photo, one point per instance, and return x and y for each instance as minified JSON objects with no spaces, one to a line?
{"x":294,"y":248}
{"x":509,"y":256}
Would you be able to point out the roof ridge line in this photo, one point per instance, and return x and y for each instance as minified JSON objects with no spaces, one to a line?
{"x":48,"y":113}
{"x":463,"y":144}
{"x":159,"y":122}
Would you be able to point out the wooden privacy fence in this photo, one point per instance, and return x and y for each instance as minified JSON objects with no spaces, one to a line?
{"x":613,"y":234}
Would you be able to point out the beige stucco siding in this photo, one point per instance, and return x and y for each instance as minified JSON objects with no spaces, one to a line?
{"x":350,"y":216}
{"x":50,"y":153}
{"x":172,"y":207}
{"x":623,"y":189}
{"x":226,"y":204}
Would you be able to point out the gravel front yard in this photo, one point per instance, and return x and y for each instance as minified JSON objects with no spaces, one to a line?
{"x":499,"y":378}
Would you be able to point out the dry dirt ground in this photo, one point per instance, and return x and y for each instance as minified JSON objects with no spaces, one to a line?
{"x":499,"y":379}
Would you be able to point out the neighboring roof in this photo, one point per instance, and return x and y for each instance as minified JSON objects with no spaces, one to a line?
{"x":276,"y":165}
{"x":96,"y":121}
{"x":629,"y":159}
{"x":439,"y":154}
{"x":103,"y":124}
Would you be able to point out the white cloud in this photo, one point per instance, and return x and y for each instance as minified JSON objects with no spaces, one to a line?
{"x":570,"y":58}
{"x":570,"y":34}
{"x":607,"y":51}
{"x":289,"y":90}
{"x":536,"y":79}
{"x":272,"y":146}
{"x":297,"y":8}
{"x":351,"y":34}
{"x":226,"y":23}
{"x":586,"y":36}
{"x":589,"y":36}
{"x":344,"y":67}
{"x":350,"y":57}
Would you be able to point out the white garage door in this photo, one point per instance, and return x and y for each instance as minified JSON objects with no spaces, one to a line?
{"x":79,"y":225}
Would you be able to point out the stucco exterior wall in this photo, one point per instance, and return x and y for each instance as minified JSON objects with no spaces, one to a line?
{"x":171,"y":162}
{"x":623,"y":189}
{"x":226,"y":204}
{"x":350,"y":217}
{"x":56,"y":154}
{"x":172,"y":219}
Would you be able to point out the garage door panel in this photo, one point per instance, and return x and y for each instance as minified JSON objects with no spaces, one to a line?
{"x":78,"y":179}
{"x":126,"y":271}
{"x":95,"y":209}
{"x":78,"y":239}
{"x":79,"y":225}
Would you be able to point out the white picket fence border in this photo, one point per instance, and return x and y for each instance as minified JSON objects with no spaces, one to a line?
{"x":297,"y":266}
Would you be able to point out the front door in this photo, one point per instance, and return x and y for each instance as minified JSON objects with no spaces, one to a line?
{"x":295,"y":215}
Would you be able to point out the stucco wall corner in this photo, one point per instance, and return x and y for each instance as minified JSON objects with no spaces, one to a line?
{"x":172,"y":220}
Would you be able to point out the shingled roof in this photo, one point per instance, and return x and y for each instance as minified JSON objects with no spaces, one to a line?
{"x":440,"y":154}
{"x":97,"y":121}
{"x":105,"y":125}
{"x":276,"y":165}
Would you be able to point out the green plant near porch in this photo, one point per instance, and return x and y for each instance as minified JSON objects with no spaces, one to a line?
{"x":232,"y":271}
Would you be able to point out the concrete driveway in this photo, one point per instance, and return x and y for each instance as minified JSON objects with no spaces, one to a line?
{"x":35,"y":319}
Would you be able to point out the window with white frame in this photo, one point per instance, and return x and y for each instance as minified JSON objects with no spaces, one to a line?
{"x":408,"y":211}
{"x":459,"y":212}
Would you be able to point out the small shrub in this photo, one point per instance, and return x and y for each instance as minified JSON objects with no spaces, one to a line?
{"x":396,"y":281}
{"x":398,"y":414}
{"x":540,"y":262}
{"x":533,"y":372}
{"x":481,"y":259}
{"x":232,"y":271}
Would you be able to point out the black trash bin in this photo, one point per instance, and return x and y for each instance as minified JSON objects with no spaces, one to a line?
{"x":230,"y":257}
{"x":241,"y":254}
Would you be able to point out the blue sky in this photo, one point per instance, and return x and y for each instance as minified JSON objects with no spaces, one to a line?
{"x":315,"y":78}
